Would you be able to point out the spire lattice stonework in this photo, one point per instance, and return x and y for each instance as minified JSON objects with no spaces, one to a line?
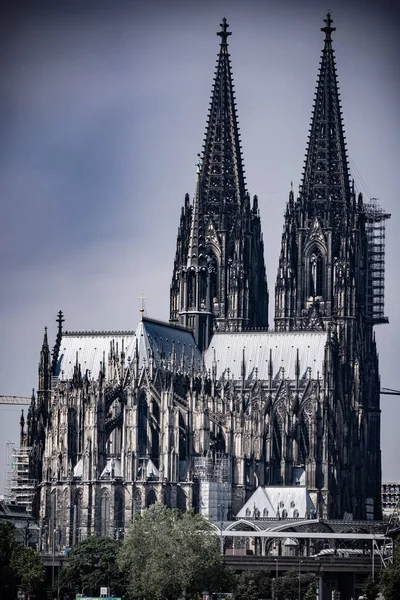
{"x":219,"y":280}
{"x":222,"y":173}
{"x":326,"y":173}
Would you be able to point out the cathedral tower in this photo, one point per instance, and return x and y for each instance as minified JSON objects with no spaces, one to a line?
{"x":321,"y":266}
{"x":219,"y":281}
{"x":326,"y":278}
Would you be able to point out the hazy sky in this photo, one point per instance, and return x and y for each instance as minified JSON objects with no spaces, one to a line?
{"x":102,"y":113}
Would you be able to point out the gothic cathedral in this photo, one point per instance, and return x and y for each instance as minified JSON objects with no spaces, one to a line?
{"x":198,"y":412}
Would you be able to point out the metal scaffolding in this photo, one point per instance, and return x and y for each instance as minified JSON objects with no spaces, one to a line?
{"x":375,"y":229}
{"x":213,"y":472}
{"x":215,"y":468}
{"x":19,"y":487}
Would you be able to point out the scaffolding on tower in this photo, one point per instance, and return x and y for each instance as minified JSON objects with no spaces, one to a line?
{"x":375,"y":221}
{"x":19,"y":487}
{"x":213,"y":473}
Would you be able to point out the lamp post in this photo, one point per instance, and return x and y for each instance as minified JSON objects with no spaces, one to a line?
{"x":220,"y":513}
{"x":299,"y":577}
{"x":373,"y":559}
{"x":276,"y":576}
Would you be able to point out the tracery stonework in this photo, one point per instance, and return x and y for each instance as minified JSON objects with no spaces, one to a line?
{"x":121,"y":419}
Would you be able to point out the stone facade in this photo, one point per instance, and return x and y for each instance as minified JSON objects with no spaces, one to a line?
{"x":123,"y":419}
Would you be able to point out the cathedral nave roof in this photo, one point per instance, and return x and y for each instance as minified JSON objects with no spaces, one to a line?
{"x":259,"y":347}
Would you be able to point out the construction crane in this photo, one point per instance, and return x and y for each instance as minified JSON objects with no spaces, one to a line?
{"x":17,"y":400}
{"x":390,"y":392}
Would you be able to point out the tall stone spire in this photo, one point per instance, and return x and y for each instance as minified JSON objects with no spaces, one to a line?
{"x":195,"y":237}
{"x":219,"y":280}
{"x":319,"y":225}
{"x":222,"y":173}
{"x":326,"y":180}
{"x":326,"y":268}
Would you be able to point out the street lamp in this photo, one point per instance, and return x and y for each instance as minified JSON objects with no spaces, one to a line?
{"x":220,"y":512}
{"x":299,"y":577}
{"x":276,"y":568}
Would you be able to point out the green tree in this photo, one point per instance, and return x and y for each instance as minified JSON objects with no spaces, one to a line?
{"x":91,"y":564}
{"x":8,"y":579}
{"x":252,"y":585}
{"x":371,"y":588}
{"x":28,"y":567}
{"x":166,"y":553}
{"x":20,"y":566}
{"x":311,"y":591}
{"x":287,"y":587}
{"x":390,"y":578}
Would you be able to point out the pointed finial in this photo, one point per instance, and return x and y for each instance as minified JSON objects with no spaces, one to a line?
{"x":142,"y":297}
{"x":198,"y":164}
{"x":328,"y":28}
{"x":45,"y":344}
{"x":60,"y":319}
{"x":224,"y":32}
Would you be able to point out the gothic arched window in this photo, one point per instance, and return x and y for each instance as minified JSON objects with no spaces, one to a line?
{"x":316,"y":273}
{"x":181,"y":500}
{"x":53,"y":517}
{"x":137,"y":501}
{"x":151,"y":498}
{"x":203,"y":288}
{"x":182,"y":438}
{"x":277,"y":439}
{"x":64,"y":517}
{"x":142,"y":425}
{"x":155,"y":433}
{"x":304,"y":441}
{"x":213,"y":270}
{"x":77,"y":517}
{"x":191,"y":289}
{"x":105,"y":513}
{"x":119,"y":513}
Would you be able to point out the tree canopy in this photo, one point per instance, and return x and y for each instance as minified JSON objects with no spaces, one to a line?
{"x":287,"y":587}
{"x":92,"y":564}
{"x":390,"y":578}
{"x":252,"y":585}
{"x":166,"y":553}
{"x":19,"y":565}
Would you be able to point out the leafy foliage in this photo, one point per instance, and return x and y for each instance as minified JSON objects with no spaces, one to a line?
{"x":166,"y":552}
{"x":29,"y":569}
{"x":311,"y":591}
{"x":19,"y":565}
{"x":390,"y":578}
{"x":287,"y":587}
{"x":8,"y":580}
{"x":252,"y":585}
{"x":91,"y":564}
{"x":371,"y":589}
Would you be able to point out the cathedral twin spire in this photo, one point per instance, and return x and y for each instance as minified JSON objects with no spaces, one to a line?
{"x":326,"y":177}
{"x":322,"y":274}
{"x":219,"y":281}
{"x":221,"y":172}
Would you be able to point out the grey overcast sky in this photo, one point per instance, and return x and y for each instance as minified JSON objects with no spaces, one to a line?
{"x":102,"y":113}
